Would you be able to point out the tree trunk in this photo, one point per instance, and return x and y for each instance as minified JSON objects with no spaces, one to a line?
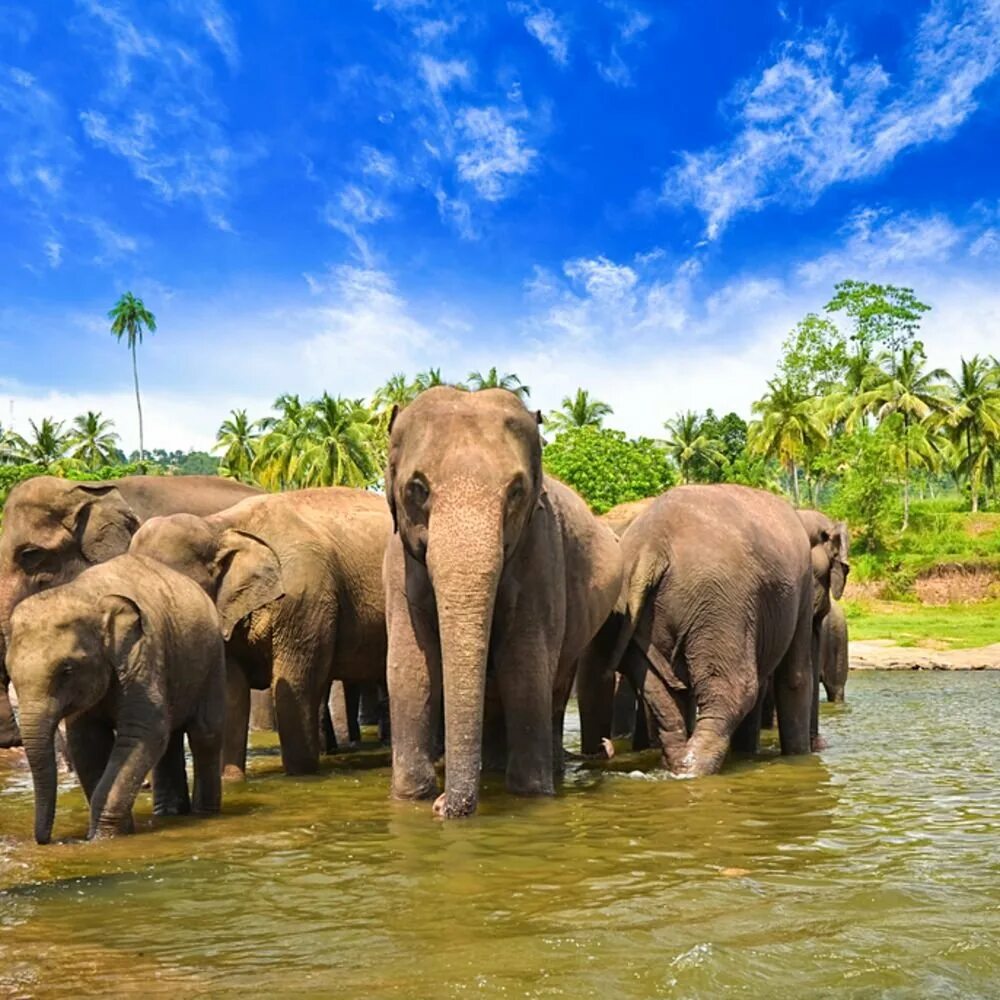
{"x":795,"y":485}
{"x":138,"y":405}
{"x":973,"y":485}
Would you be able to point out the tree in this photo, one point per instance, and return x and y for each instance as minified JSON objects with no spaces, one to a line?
{"x":338,"y":450}
{"x":907,"y":390}
{"x":974,"y":420}
{"x":606,"y":468}
{"x":46,"y":445}
{"x":814,"y":357}
{"x":129,"y":317}
{"x":885,"y":316}
{"x":93,"y":441}
{"x":10,"y":452}
{"x":285,"y":438}
{"x":690,"y":447}
{"x":789,"y":429}
{"x":578,"y":411}
{"x":493,"y":380}
{"x":237,"y":440}
{"x":429,"y":379}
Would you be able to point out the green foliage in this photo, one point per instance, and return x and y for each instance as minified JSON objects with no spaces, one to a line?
{"x":606,"y":468}
{"x":953,"y":626}
{"x":814,"y":358}
{"x":694,"y":448}
{"x":580,"y":410}
{"x":494,"y":380}
{"x":885,"y":316}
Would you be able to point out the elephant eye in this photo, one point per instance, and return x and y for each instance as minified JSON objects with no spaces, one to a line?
{"x":417,"y":491}
{"x":516,"y":491}
{"x":30,"y":558}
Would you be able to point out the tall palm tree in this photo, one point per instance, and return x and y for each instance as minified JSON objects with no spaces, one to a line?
{"x":908,"y":390}
{"x":578,"y":411}
{"x":237,"y":440}
{"x":790,"y":428}
{"x":688,"y":444}
{"x":974,"y":418}
{"x":494,"y":380}
{"x":129,"y":317}
{"x":429,"y":379}
{"x":93,"y":440}
{"x":46,"y":445}
{"x":397,"y":391}
{"x":10,"y":450}
{"x":339,"y":451}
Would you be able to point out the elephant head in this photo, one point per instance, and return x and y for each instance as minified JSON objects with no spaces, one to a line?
{"x":237,"y":568}
{"x":464,"y":477}
{"x":53,"y":530}
{"x":65,"y":649}
{"x":830,"y":543}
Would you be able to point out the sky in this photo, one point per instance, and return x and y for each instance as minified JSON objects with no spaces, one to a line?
{"x":638,"y":197}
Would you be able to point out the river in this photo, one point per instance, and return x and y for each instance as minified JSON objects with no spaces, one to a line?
{"x":870,"y":869}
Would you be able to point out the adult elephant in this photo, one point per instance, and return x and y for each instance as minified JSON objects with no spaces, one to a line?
{"x":830,"y":544}
{"x":495,"y":572}
{"x":621,"y":516}
{"x":833,"y":649}
{"x":297,"y":581}
{"x":53,"y":529}
{"x":717,"y":598}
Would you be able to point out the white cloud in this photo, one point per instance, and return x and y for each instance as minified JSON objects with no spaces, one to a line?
{"x":494,"y":152}
{"x":53,"y":251}
{"x":543,"y":25}
{"x":813,"y":118}
{"x":615,"y":70}
{"x":441,"y":74}
{"x":219,"y":26}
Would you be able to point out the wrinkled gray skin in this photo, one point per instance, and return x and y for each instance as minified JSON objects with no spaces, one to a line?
{"x":495,"y":571}
{"x":130,"y":654}
{"x":297,"y":581}
{"x":53,"y":529}
{"x":833,"y":648}
{"x":830,"y":544}
{"x":717,"y":598}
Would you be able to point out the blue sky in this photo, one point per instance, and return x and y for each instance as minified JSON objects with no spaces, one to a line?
{"x":633,"y":196}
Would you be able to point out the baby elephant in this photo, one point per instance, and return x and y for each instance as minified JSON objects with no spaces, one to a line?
{"x":130,"y":653}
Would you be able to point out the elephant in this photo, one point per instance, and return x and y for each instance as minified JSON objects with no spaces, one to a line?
{"x":131,"y":655}
{"x":621,"y":516}
{"x":717,"y":598}
{"x":497,"y":576}
{"x":55,"y":528}
{"x":296,"y":579}
{"x":830,"y":544}
{"x":833,"y":659}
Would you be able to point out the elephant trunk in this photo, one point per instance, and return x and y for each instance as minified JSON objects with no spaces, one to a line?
{"x":464,"y":560}
{"x":38,"y":731}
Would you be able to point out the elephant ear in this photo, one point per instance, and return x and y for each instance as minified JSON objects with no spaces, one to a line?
{"x":124,"y":634}
{"x":249,"y":577}
{"x":101,"y":521}
{"x":840,"y":545}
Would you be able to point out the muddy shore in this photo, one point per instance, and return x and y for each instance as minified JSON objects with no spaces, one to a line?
{"x":882,"y":654}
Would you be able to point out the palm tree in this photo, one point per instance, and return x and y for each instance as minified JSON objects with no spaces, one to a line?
{"x":237,"y":440}
{"x":578,"y":411}
{"x":46,"y":446}
{"x":129,"y":316}
{"x":339,"y":451}
{"x":93,"y":440}
{"x":280,"y":449}
{"x":429,"y":379}
{"x":397,"y":391}
{"x":790,"y":428}
{"x":493,"y":380}
{"x":10,"y":451}
{"x":906,"y":389}
{"x":974,"y":419}
{"x":688,"y":444}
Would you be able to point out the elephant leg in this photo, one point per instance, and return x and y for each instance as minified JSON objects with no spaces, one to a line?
{"x":136,"y":750}
{"x":332,"y":720}
{"x":234,"y":748}
{"x":666,"y":719}
{"x":206,"y":734}
{"x":413,"y":675}
{"x":746,"y":737}
{"x":297,"y":700}
{"x":352,"y":696}
{"x":10,"y":734}
{"x":170,"y":785}
{"x":261,"y":711}
{"x":624,"y":718}
{"x":595,"y":691}
{"x":816,"y":653}
{"x":767,"y":705}
{"x":370,"y":709}
{"x":90,"y":741}
{"x":726,"y":690}
{"x":494,"y":729}
{"x":793,"y":692}
{"x":384,"y":724}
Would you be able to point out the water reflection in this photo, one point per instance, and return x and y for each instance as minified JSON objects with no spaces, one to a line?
{"x":871,"y":868}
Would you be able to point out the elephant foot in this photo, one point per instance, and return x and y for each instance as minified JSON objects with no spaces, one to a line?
{"x":819,"y":743}
{"x":607,"y":752}
{"x":442,"y":811}
{"x":233,"y":772}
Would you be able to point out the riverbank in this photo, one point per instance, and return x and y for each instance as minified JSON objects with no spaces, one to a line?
{"x":953,"y":626}
{"x":884,"y":654}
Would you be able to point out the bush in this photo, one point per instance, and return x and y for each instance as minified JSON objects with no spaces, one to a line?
{"x":606,"y":468}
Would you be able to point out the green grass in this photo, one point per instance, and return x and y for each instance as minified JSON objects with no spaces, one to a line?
{"x":953,"y":626}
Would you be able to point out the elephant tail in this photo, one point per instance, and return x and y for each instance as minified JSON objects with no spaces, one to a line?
{"x":647,"y":571}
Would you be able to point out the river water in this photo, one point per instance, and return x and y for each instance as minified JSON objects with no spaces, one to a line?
{"x":871,"y":869}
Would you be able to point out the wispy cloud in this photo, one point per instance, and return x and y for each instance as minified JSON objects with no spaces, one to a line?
{"x":494,"y":152}
{"x":814,"y":117}
{"x":631,"y":23}
{"x":543,"y":24}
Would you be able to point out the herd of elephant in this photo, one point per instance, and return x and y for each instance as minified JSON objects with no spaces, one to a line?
{"x":477,"y":590}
